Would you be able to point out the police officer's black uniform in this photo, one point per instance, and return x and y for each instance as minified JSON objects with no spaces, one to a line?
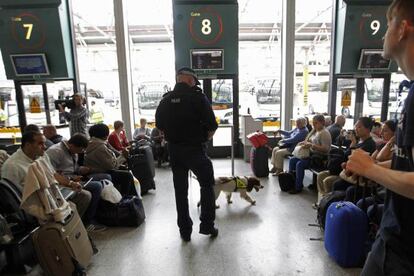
{"x":185,"y":116}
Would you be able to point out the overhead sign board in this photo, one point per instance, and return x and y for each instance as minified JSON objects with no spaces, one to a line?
{"x":361,"y":26}
{"x":206,"y":36}
{"x":36,"y":31}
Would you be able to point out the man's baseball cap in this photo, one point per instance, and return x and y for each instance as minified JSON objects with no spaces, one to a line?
{"x":188,"y":71}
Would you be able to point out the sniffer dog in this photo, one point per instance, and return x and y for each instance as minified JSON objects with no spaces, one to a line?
{"x":242,"y":185}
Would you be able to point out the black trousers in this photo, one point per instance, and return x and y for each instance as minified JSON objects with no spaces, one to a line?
{"x":184,"y":158}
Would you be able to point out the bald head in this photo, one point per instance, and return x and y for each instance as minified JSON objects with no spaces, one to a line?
{"x":340,"y":120}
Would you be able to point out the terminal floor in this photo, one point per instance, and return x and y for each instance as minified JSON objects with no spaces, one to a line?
{"x":271,"y":238}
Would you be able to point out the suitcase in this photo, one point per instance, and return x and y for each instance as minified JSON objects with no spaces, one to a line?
{"x":286,"y":181}
{"x":346,"y":233}
{"x":128,"y":212}
{"x":259,"y":161}
{"x":142,"y":167}
{"x":63,"y":249}
{"x":324,"y":204}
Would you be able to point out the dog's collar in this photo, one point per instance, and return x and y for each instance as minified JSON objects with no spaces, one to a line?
{"x":240,"y":184}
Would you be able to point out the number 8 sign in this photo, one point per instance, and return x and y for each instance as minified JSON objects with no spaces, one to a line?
{"x":206,"y":26}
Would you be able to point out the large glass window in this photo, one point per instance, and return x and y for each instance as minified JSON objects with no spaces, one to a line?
{"x":312,"y":56}
{"x":152,"y":54}
{"x":260,"y":58}
{"x":98,"y":66}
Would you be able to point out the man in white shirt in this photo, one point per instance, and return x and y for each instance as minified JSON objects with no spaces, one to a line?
{"x":33,"y":146}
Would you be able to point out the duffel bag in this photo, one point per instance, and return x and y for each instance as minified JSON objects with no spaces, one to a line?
{"x":128,"y":212}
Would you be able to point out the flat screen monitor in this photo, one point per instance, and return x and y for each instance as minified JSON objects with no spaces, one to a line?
{"x":207,"y":59}
{"x":371,"y":59}
{"x":29,"y":64}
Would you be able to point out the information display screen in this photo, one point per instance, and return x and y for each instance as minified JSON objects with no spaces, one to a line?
{"x":371,"y":59}
{"x":207,"y":59}
{"x":29,"y":64}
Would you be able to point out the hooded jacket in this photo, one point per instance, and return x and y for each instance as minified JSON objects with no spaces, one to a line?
{"x":99,"y":157}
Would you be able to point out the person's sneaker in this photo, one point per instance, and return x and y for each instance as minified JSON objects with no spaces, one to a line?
{"x":96,"y":228}
{"x":315,"y":206}
{"x":213,"y":232}
{"x":277,"y":172}
{"x":273,"y":170}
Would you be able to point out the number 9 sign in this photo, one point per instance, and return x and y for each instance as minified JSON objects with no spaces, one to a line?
{"x":206,"y":26}
{"x":372,"y":29}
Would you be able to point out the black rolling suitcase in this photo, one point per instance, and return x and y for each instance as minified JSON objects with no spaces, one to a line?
{"x":142,"y":167}
{"x":259,"y":161}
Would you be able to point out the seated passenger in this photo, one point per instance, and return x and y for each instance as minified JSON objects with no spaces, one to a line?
{"x":360,"y":139}
{"x":64,"y":159}
{"x":288,"y":144}
{"x":117,"y":139}
{"x":35,"y":128}
{"x":385,"y":149}
{"x":142,"y":132}
{"x":382,"y":153}
{"x":100,"y":157}
{"x":50,"y":132}
{"x":16,"y":167}
{"x":159,"y":145}
{"x":308,"y":125}
{"x":376,"y":133}
{"x":318,"y":142}
{"x":335,"y":129}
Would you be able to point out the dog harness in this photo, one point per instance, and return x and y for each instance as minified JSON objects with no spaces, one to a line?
{"x":240,"y":184}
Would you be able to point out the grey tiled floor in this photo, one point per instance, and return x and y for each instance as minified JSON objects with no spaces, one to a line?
{"x":271,"y":238}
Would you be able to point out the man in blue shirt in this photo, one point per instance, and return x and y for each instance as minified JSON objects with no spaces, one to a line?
{"x":288,"y":144}
{"x":393,"y":251}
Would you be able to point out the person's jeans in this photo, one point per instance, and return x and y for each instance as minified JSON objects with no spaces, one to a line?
{"x":95,"y":188}
{"x":298,"y":165}
{"x":184,"y":158}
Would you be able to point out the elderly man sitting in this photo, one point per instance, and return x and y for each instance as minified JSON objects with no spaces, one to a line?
{"x":287,"y":144}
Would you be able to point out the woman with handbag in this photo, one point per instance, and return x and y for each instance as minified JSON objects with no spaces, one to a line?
{"x":318,"y":141}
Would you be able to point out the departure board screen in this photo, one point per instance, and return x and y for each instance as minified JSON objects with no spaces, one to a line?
{"x":207,"y":59}
{"x":29,"y":64}
{"x":371,"y":59}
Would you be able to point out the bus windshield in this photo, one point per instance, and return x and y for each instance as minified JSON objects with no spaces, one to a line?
{"x":150,"y":94}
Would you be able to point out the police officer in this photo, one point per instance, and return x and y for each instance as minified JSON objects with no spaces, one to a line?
{"x":188,"y":122}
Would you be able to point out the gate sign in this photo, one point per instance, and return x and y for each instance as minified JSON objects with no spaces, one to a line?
{"x":36,"y":40}
{"x":361,"y":25}
{"x":346,"y":98}
{"x":206,"y":36}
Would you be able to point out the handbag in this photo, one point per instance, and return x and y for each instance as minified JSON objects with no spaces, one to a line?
{"x":301,"y":152}
{"x":109,"y":192}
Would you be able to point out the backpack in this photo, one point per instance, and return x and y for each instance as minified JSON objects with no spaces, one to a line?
{"x":335,"y":158}
{"x":286,"y":181}
{"x":324,"y":205}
